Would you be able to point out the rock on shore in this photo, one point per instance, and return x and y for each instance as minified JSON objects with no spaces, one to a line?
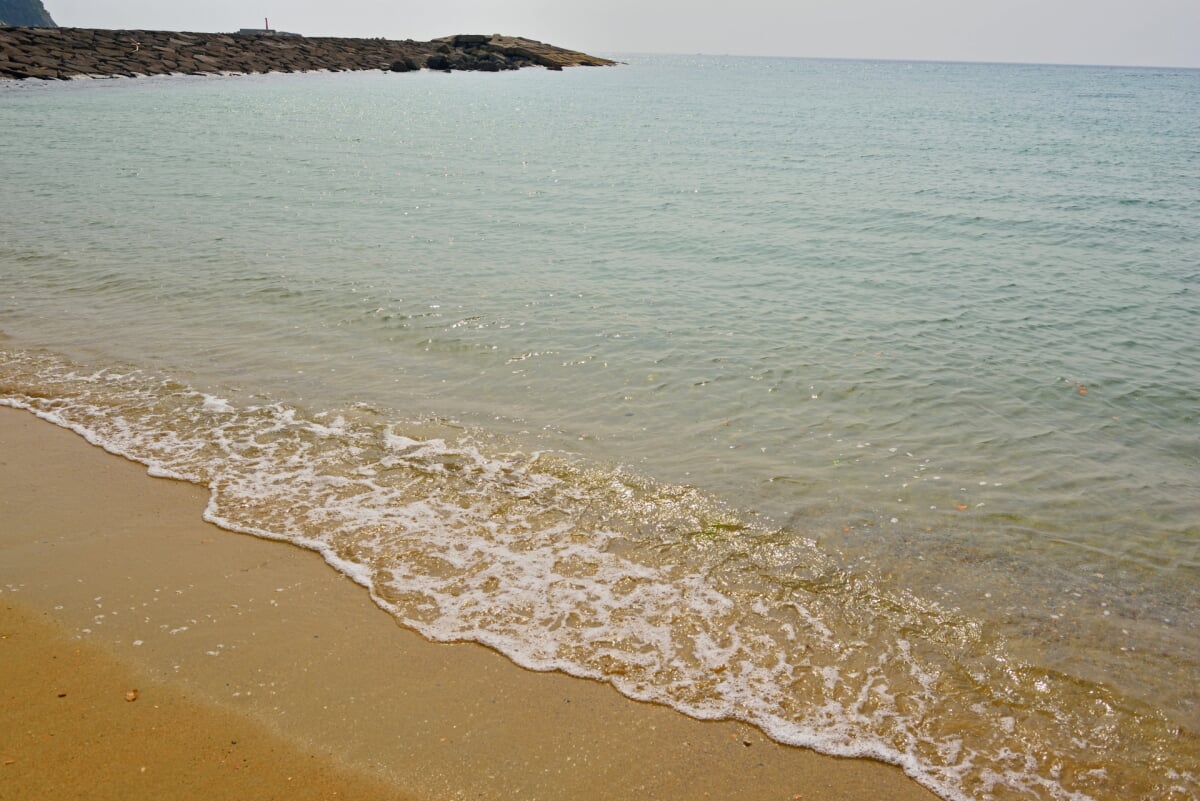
{"x":63,"y":53}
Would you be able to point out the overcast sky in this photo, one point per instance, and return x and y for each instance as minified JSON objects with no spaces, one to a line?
{"x":1144,"y":32}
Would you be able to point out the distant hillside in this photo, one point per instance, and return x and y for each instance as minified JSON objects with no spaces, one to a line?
{"x":30,"y":13}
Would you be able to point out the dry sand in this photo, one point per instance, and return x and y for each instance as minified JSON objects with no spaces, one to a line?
{"x":110,"y":581}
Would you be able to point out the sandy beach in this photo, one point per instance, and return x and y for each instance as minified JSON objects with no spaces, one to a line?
{"x":262,"y":673}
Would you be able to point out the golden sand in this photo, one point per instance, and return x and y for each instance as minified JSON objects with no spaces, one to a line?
{"x":110,"y":580}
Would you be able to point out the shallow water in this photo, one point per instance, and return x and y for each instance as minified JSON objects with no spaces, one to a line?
{"x":857,"y":400}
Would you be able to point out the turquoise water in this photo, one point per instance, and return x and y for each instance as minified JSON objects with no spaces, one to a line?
{"x":857,"y":400}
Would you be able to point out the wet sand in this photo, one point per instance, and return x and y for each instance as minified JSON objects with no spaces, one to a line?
{"x":110,"y":580}
{"x":77,"y":723}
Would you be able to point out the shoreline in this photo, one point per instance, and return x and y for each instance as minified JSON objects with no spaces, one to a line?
{"x":123,"y":564}
{"x":67,"y":53}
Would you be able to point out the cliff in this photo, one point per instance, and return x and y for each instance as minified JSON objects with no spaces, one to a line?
{"x":62,"y":53}
{"x":25,"y":12}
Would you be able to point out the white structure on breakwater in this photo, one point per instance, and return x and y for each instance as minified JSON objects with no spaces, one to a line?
{"x":265,"y":30}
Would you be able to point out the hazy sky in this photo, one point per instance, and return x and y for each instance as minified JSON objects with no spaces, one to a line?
{"x":1148,"y":32}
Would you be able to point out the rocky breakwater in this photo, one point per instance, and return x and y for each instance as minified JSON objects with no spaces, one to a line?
{"x":64,"y":53}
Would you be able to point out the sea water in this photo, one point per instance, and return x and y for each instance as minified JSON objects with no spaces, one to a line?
{"x":855,"y":400}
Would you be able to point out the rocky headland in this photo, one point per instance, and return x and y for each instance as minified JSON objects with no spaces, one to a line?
{"x":65,"y":53}
{"x":25,"y":12}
